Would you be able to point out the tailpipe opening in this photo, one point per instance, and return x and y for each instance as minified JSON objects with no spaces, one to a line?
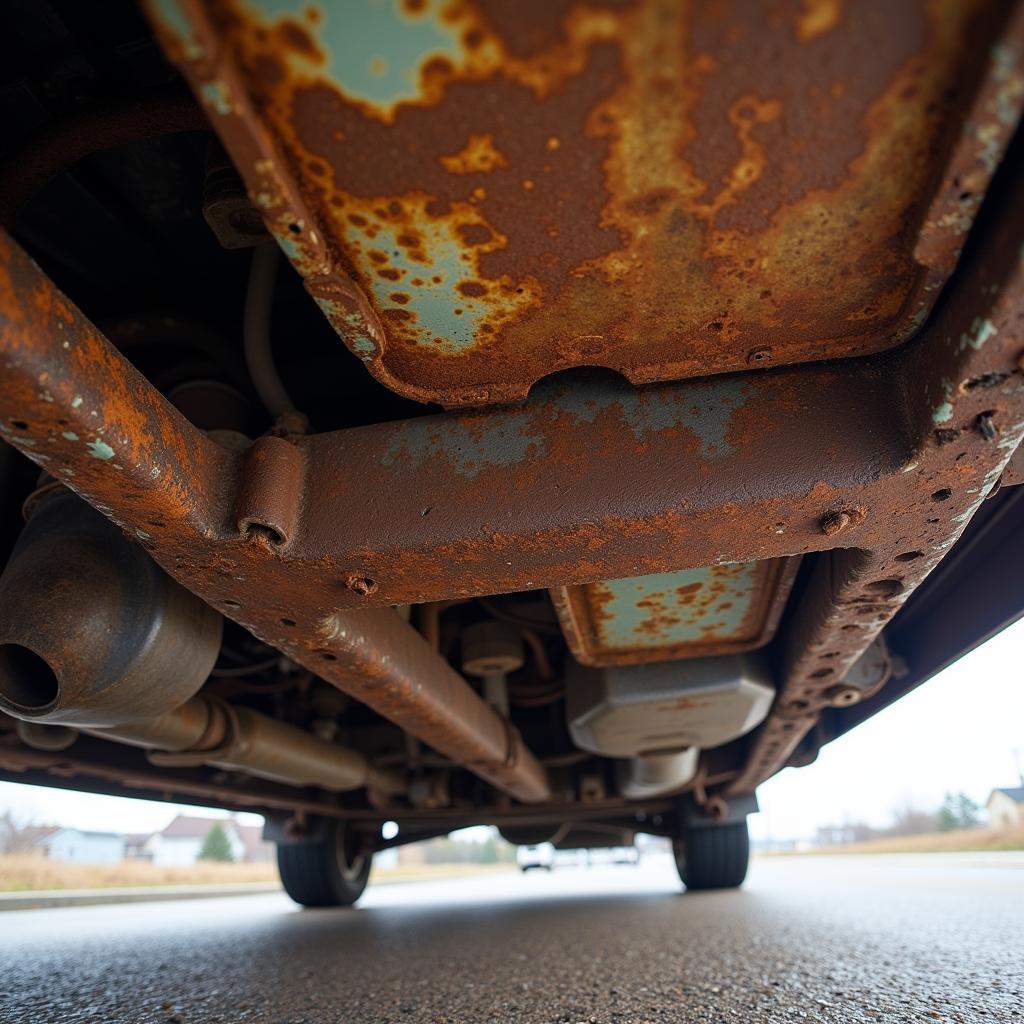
{"x":27,"y":682}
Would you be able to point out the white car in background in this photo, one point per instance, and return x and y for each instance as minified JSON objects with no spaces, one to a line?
{"x":540,"y":856}
{"x":544,"y":855}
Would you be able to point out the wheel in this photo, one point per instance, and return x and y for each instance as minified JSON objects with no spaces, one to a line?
{"x":713,"y":856}
{"x":330,"y":871}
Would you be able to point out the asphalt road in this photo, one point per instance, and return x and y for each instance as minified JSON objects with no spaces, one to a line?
{"x":821,"y":939}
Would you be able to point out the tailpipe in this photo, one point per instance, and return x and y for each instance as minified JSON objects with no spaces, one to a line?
{"x":95,"y":637}
{"x":92,"y":631}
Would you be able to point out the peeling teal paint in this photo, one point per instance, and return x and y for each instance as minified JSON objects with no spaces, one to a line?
{"x":69,"y":435}
{"x":351,"y":326}
{"x":378,"y":64}
{"x":467,"y":447}
{"x":434,"y":302}
{"x":943,"y":412}
{"x":100,"y":450}
{"x":173,"y":16}
{"x":670,"y":608}
{"x":705,"y":410}
{"x":981,"y":330}
{"x":215,"y":96}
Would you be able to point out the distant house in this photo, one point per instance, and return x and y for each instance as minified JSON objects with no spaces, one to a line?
{"x":77,"y":846}
{"x":1006,"y":807}
{"x":135,"y":845}
{"x":178,"y":845}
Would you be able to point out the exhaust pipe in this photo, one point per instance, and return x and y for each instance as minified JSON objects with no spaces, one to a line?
{"x":207,"y":731}
{"x":92,"y":631}
{"x":95,"y":637}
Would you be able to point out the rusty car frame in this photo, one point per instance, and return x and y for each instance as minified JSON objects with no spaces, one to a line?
{"x":667,"y":368}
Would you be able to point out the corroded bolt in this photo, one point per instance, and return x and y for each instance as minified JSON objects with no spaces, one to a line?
{"x":836,"y":522}
{"x":843,"y":696}
{"x":362,"y":585}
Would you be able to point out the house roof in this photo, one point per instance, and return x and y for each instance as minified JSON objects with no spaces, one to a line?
{"x":251,"y":836}
{"x":186,"y":826}
{"x":52,"y":831}
{"x":1015,"y":793}
{"x":37,"y":833}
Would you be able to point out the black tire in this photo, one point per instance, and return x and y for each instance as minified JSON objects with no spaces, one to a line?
{"x":325,"y":872}
{"x":713,"y":856}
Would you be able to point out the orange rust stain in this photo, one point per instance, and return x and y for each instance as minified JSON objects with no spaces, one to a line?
{"x":675,"y":183}
{"x":817,"y":18}
{"x":479,"y":155}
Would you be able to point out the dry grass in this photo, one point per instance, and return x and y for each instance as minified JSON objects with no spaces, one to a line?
{"x":30,"y":873}
{"x":960,"y":841}
{"x":26,"y":873}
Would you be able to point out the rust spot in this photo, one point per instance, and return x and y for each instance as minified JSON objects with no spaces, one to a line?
{"x":479,"y":155}
{"x":817,"y":18}
{"x":698,"y":187}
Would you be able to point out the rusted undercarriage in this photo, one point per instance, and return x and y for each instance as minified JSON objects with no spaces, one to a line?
{"x":517,"y":612}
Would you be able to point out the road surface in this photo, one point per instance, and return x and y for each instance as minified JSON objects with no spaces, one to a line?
{"x":919,"y":938}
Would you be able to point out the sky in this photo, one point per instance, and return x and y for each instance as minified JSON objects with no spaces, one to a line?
{"x":961,"y":731}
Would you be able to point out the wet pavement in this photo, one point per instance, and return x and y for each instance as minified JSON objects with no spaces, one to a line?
{"x":919,"y":938}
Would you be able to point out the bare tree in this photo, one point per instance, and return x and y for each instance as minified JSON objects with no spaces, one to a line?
{"x":908,"y":820}
{"x":17,"y":833}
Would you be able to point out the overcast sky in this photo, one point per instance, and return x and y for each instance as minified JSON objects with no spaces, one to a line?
{"x":959,"y":731}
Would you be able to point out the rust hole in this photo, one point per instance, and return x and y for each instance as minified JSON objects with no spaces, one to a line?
{"x":19,"y":424}
{"x":985,"y":380}
{"x":909,"y":556}
{"x":295,"y":229}
{"x":821,"y":673}
{"x":942,"y":494}
{"x":886,"y":588}
{"x":327,"y":656}
{"x":362,"y":585}
{"x":287,"y":622}
{"x":231,"y":602}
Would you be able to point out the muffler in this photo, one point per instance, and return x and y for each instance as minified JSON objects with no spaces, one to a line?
{"x":95,"y":636}
{"x":92,"y":631}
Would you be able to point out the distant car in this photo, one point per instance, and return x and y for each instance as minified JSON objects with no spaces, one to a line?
{"x":544,"y":855}
{"x":613,"y":855}
{"x":625,"y":855}
{"x":540,"y":856}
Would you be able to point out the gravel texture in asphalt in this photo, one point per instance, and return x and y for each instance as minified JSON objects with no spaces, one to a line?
{"x":915,"y":938}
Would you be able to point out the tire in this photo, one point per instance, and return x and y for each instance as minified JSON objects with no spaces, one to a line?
{"x":713,"y":856}
{"x":324,"y":872}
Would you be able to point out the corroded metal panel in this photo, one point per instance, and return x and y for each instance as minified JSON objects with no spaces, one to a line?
{"x":884,"y":459}
{"x":479,"y":195}
{"x":715,"y":609}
